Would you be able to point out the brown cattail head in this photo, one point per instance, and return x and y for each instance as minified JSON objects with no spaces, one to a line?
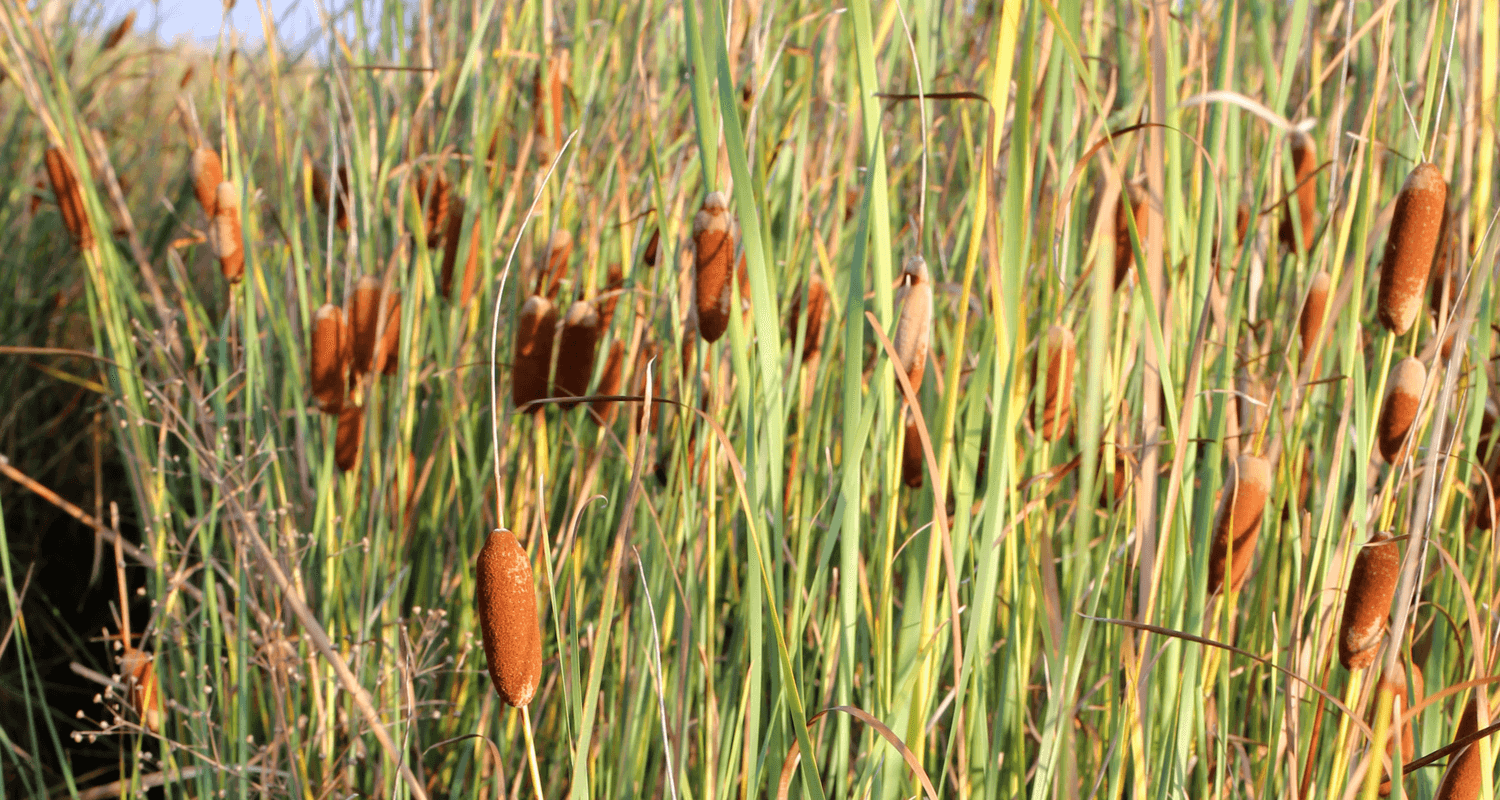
{"x":817,"y":314}
{"x":1314,"y":309}
{"x":614,"y":286}
{"x":648,"y":256}
{"x":1402,"y":395}
{"x":384,"y":359}
{"x":69,"y":197}
{"x":435,"y":198}
{"x":1409,"y":249}
{"x":559,"y":250}
{"x":1058,"y":354}
{"x":1305,"y":163}
{"x":506,"y":596}
{"x":547,"y":103}
{"x":1468,"y":722}
{"x":138,"y":670}
{"x":575,"y":351}
{"x":320,"y":192}
{"x":452,"y":231}
{"x":1372,"y":586}
{"x":349,"y":436}
{"x":1446,"y":277}
{"x":1464,"y":776}
{"x":471,"y":266}
{"x":911,"y":455}
{"x":226,"y":240}
{"x":119,"y":31}
{"x":208,"y":173}
{"x":914,"y":326}
{"x":364,"y":318}
{"x":329,"y":358}
{"x":713,"y":243}
{"x":532,"y":362}
{"x":1133,"y":198}
{"x":1237,"y":522}
{"x":609,"y":382}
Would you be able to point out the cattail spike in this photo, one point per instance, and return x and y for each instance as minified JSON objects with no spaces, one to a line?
{"x":559,"y":250}
{"x":348,"y":437}
{"x":1314,"y":309}
{"x":817,"y":313}
{"x":1058,"y":354}
{"x":506,"y":596}
{"x":535,"y":330}
{"x":1133,"y":197}
{"x":914,"y":326}
{"x":330,"y":345}
{"x":1410,"y":247}
{"x":1237,"y":522}
{"x":911,"y":455}
{"x":1305,"y":163}
{"x":451,"y":235}
{"x":364,"y":316}
{"x":1402,"y":396}
{"x":609,"y":382}
{"x":69,"y":197}
{"x":435,"y":199}
{"x":208,"y":173}
{"x":226,"y":240}
{"x":713,"y":243}
{"x":138,"y":668}
{"x":614,"y":286}
{"x":1372,"y":586}
{"x":648,"y":256}
{"x":575,"y":352}
{"x":384,"y":360}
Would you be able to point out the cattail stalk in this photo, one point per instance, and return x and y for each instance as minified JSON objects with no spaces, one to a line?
{"x":1058,"y":354}
{"x":1237,"y":522}
{"x":713,"y":246}
{"x":69,"y":197}
{"x":505,"y":594}
{"x":1409,"y":250}
{"x":575,"y":352}
{"x":535,"y":330}
{"x":914,"y":326}
{"x":1402,"y":396}
{"x":331,"y":353}
{"x":1372,"y":586}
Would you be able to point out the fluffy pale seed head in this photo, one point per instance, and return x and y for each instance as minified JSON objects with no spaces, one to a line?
{"x":327,"y":359}
{"x":1058,"y":353}
{"x":364,"y":319}
{"x":576,"y":350}
{"x":1415,"y":224}
{"x":208,"y":173}
{"x":1314,"y":309}
{"x":1372,"y":586}
{"x":349,"y":436}
{"x":1237,"y":522}
{"x":505,"y":595}
{"x":914,"y":326}
{"x":1403,"y":394}
{"x":535,"y":330}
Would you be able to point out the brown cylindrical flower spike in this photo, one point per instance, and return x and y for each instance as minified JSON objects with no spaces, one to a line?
{"x":330,"y":358}
{"x":1403,"y":393}
{"x":390,"y":340}
{"x":1058,"y":354}
{"x":208,"y":173}
{"x":138,"y":669}
{"x":1237,"y":522}
{"x":226,"y":240}
{"x":817,"y":313}
{"x":1305,"y":162}
{"x":340,"y":197}
{"x":614,"y":287}
{"x":1409,"y":250}
{"x":609,"y":381}
{"x":535,"y":330}
{"x":559,"y":250}
{"x":648,"y":256}
{"x":506,"y":596}
{"x":349,"y":436}
{"x":364,"y":317}
{"x":1314,"y":309}
{"x":451,"y":238}
{"x":435,"y":198}
{"x":1132,"y":203}
{"x":1372,"y":586}
{"x":575,"y":352}
{"x":69,"y":197}
{"x":713,"y":243}
{"x":914,"y":326}
{"x":911,"y":455}
{"x":1465,"y":770}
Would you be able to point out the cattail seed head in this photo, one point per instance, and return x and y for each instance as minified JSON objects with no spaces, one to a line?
{"x":69,"y":197}
{"x":911,"y":455}
{"x":914,"y":326}
{"x":226,"y":240}
{"x":559,"y":250}
{"x":329,"y":358}
{"x":471,"y":266}
{"x":1446,"y":278}
{"x":320,"y":192}
{"x":118,"y":32}
{"x":1464,"y":776}
{"x":575,"y":351}
{"x":1372,"y":586}
{"x":609,"y":382}
{"x":208,"y":173}
{"x":535,"y":330}
{"x":817,"y":313}
{"x":1409,"y":249}
{"x":1305,"y":163}
{"x":648,"y":256}
{"x":349,"y":436}
{"x":364,"y":318}
{"x":1058,"y":353}
{"x":1314,"y":309}
{"x":1468,"y":722}
{"x":713,"y":243}
{"x":1132,"y":202}
{"x":453,"y":230}
{"x":435,"y":198}
{"x":547,"y":104}
{"x":384,"y":359}
{"x":139,"y":671}
{"x":506,"y":596}
{"x":1402,"y":395}
{"x":614,"y":286}
{"x":1237,"y":522}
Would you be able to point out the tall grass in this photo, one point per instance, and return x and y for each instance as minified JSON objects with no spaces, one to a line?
{"x":747,"y":595}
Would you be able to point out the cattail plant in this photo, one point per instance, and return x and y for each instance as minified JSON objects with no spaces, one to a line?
{"x":349,"y":436}
{"x":911,"y":454}
{"x":435,"y":198}
{"x":614,"y":287}
{"x":1305,"y":163}
{"x":648,"y":256}
{"x":330,"y":357}
{"x":364,"y":316}
{"x":547,"y":103}
{"x":1410,"y":247}
{"x":713,"y":246}
{"x":1464,"y":777}
{"x":225,"y":236}
{"x":1132,"y":203}
{"x":506,"y":596}
{"x":208,"y":173}
{"x":453,"y":230}
{"x":816,"y":293}
{"x":1372,"y":586}
{"x":1397,"y":686}
{"x":609,"y":382}
{"x":1237,"y":522}
{"x":118,"y":32}
{"x":340,"y":191}
{"x":559,"y":250}
{"x":69,"y":197}
{"x":384,"y":359}
{"x":575,"y":352}
{"x":1402,"y":395}
{"x":532,"y":361}
{"x":138,"y":669}
{"x":1056,"y":356}
{"x":1445,"y":280}
{"x":914,"y":326}
{"x":1314,"y":310}
{"x":1251,"y":404}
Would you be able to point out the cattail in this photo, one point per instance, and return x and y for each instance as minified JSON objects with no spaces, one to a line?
{"x":575,"y":352}
{"x":320,"y":192}
{"x":208,"y":173}
{"x":1252,"y":404}
{"x":349,"y":436}
{"x":364,"y":316}
{"x":547,"y":104}
{"x":1397,"y":686}
{"x":609,"y":382}
{"x":1444,"y":283}
{"x":533,"y":356}
{"x":1372,"y":586}
{"x":914,"y":327}
{"x":1399,"y":410}
{"x":817,"y":313}
{"x":435,"y":199}
{"x":471,"y":265}
{"x":614,"y":286}
{"x":1058,"y":353}
{"x":139,"y":671}
{"x":118,"y":32}
{"x":1410,"y":247}
{"x":1468,"y":722}
{"x":506,"y":596}
{"x":390,"y":340}
{"x":648,"y":256}
{"x":451,"y":235}
{"x":713,"y":243}
{"x":226,"y":240}
{"x":559,"y":250}
{"x":1133,"y":197}
{"x":1237,"y":522}
{"x":69,"y":197}
{"x":911,"y":455}
{"x":1305,"y":163}
{"x":1314,"y":309}
{"x":329,"y":358}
